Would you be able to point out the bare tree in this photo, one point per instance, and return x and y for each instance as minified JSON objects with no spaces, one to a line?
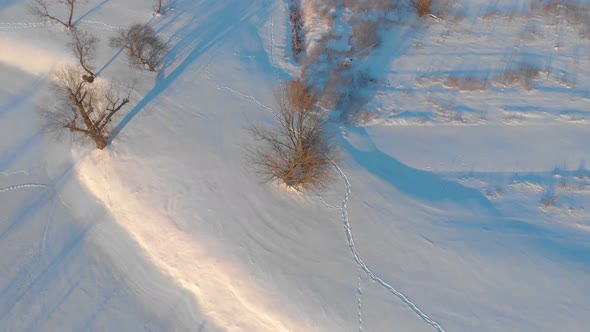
{"x":40,"y":8}
{"x":86,"y":109}
{"x":300,"y":150}
{"x":83,"y":47}
{"x":144,"y":47}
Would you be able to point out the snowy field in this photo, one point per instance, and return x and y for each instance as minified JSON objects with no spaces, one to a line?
{"x":460,"y":202}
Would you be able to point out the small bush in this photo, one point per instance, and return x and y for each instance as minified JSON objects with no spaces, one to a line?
{"x":522,"y":75}
{"x":466,"y":83}
{"x":144,"y":47}
{"x":548,"y":201}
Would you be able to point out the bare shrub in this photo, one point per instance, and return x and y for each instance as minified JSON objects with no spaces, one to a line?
{"x":548,"y":201}
{"x":144,"y":47}
{"x":40,"y":8}
{"x":522,"y":75}
{"x":299,"y":95}
{"x":422,"y":7}
{"x":83,"y":47}
{"x":299,"y":151}
{"x":466,"y":83}
{"x":86,"y":109}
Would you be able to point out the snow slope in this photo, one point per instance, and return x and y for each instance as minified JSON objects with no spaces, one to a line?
{"x":428,"y":225}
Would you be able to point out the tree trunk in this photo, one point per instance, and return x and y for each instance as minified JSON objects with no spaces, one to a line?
{"x":71,"y":14}
{"x":100,"y":141}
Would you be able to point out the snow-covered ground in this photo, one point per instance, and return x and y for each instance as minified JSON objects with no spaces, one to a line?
{"x":460,"y":201}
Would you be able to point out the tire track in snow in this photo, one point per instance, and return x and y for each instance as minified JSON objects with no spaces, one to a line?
{"x":364,"y":267}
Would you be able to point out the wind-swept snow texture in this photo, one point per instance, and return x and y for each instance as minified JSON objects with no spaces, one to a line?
{"x":459,"y":202}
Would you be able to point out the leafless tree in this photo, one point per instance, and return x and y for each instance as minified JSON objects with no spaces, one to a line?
{"x":83,"y":47}
{"x":144,"y":47}
{"x":300,"y":150}
{"x":40,"y":8}
{"x":86,"y":109}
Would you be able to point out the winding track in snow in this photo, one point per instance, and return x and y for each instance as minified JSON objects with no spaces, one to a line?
{"x":364,"y":267}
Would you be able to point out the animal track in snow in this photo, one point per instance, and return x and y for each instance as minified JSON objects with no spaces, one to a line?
{"x":23,"y":186}
{"x":364,"y":267}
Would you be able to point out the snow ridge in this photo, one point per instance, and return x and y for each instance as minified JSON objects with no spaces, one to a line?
{"x":364,"y":267}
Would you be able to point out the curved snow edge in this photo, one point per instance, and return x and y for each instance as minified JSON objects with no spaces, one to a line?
{"x":225,"y":293}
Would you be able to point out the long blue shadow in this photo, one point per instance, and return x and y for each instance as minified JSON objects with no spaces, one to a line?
{"x":109,"y":62}
{"x":36,"y":201}
{"x":11,"y":296}
{"x":95,"y":8}
{"x":214,"y":30}
{"x":8,"y":158}
{"x":19,"y":100}
{"x":557,"y":244}
{"x":7,"y":3}
{"x":420,"y":184}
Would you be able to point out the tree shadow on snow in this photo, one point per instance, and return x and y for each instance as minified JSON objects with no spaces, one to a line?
{"x":89,"y":12}
{"x":198,"y":37}
{"x":487,"y":227}
{"x":419,"y":184}
{"x":7,"y":3}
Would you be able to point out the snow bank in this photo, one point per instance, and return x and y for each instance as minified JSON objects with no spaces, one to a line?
{"x":229,"y":297}
{"x":33,"y":60}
